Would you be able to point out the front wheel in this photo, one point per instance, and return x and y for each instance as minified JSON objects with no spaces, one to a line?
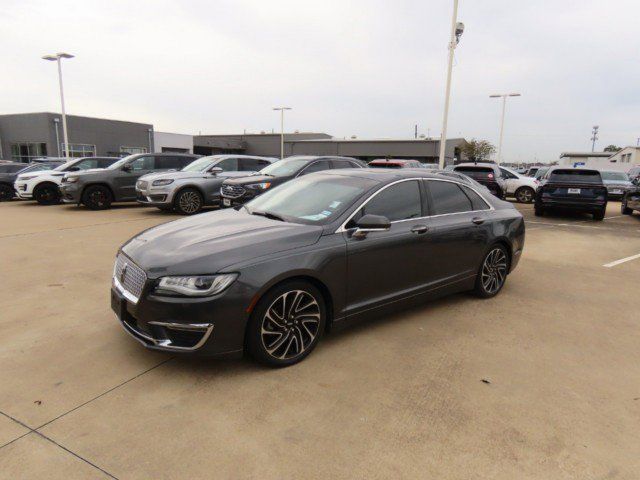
{"x":599,"y":214}
{"x":6,"y":192}
{"x":97,"y":197}
{"x":188,"y":201}
{"x":624,"y":209}
{"x":525,"y":195}
{"x":493,"y":272}
{"x":47,"y":194}
{"x":286,"y":324}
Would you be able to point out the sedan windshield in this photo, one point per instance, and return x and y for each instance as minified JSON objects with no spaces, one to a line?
{"x":61,"y":168}
{"x":119,"y":163}
{"x":615,"y":176}
{"x":199,"y":165}
{"x":314,"y":199}
{"x":286,"y":167}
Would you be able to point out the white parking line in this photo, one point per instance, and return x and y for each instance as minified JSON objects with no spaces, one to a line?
{"x":614,"y":216}
{"x":622,"y":260}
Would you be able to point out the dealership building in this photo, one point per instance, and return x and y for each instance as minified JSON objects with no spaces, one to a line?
{"x":26,"y":136}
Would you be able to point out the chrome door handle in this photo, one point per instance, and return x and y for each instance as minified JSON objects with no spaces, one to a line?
{"x":420,"y":229}
{"x":477,"y":220}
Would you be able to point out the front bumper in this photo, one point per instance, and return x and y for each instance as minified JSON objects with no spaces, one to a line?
{"x":208,"y":326}
{"x":70,"y":192}
{"x":226,"y":202}
{"x":23,"y":191}
{"x":159,"y":196}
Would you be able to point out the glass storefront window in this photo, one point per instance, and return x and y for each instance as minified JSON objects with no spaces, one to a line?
{"x":27,"y":151}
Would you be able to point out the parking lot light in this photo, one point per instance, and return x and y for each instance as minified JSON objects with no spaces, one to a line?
{"x":282,"y":109}
{"x":504,"y":106}
{"x":58,"y":58}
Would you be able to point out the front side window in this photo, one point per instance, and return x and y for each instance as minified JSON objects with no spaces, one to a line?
{"x":284,"y":168}
{"x":448,"y":197}
{"x":143,"y":163}
{"x":317,"y":167}
{"x":251,"y":164}
{"x":401,"y":201}
{"x":228,"y":165}
{"x":87,"y":164}
{"x":316,"y":200}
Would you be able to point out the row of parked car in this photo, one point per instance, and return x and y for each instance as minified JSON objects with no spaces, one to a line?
{"x":187,"y":183}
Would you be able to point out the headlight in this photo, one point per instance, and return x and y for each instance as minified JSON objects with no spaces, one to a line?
{"x":70,"y":179}
{"x":197,"y":286}
{"x":259,"y":186}
{"x":159,"y":183}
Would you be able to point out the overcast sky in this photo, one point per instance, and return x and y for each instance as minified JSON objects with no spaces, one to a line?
{"x":369,"y":68}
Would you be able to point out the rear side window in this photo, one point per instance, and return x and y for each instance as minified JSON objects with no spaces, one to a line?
{"x":580,"y":176}
{"x":87,"y":164}
{"x":251,"y":164}
{"x":228,"y":165}
{"x":477,"y":203}
{"x":477,"y":173}
{"x":447,"y":197}
{"x":342,"y":164}
{"x":397,"y":202}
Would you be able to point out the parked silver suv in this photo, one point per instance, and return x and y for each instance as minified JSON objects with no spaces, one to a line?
{"x":198,"y":184}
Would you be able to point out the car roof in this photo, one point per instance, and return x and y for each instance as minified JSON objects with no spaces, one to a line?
{"x":479,"y":164}
{"x":387,"y":175}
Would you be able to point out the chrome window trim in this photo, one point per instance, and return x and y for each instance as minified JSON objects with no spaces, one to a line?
{"x":343,"y":228}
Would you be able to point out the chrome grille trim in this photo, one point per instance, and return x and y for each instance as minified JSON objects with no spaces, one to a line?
{"x":232,"y":191}
{"x":128,"y":278}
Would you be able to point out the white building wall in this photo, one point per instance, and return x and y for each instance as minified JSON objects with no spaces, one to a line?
{"x":164,"y":141}
{"x":627,"y":157}
{"x":597,"y":163}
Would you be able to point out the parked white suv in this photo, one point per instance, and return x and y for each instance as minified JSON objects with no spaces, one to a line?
{"x":42,"y":186}
{"x":521,"y":187}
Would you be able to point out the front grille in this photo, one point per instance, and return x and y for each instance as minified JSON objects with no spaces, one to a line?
{"x":131,"y":277}
{"x":232,"y":191}
{"x":142,"y":185}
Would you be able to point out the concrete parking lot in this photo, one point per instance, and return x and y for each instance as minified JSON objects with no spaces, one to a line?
{"x":542,"y":381}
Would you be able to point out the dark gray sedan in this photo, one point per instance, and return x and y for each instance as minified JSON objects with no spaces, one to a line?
{"x":315,"y":253}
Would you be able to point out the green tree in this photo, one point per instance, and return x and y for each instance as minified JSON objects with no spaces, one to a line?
{"x":612,"y":148}
{"x":478,"y":150}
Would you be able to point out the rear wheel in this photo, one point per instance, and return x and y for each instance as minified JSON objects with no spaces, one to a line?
{"x":6,"y":192}
{"x":97,"y":197}
{"x":525,"y":194}
{"x":599,"y":214}
{"x":286,"y":324}
{"x":624,"y":209}
{"x":47,"y":194}
{"x":188,"y":201}
{"x":493,"y":272}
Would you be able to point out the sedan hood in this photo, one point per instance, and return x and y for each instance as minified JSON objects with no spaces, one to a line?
{"x":256,"y":179}
{"x":210,"y":242}
{"x":174,"y":175}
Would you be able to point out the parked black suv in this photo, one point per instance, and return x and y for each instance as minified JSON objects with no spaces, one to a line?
{"x":487,"y":174}
{"x":577,"y":189}
{"x":631,"y":198}
{"x":237,"y":191}
{"x":97,"y":189}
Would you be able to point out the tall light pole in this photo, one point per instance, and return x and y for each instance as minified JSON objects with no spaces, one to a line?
{"x":594,"y":137}
{"x":58,"y":58}
{"x":282,"y":109}
{"x":504,"y":107}
{"x":456,"y":32}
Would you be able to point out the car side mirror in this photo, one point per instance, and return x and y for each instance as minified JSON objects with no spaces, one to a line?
{"x":215,"y":171}
{"x":126,"y":167}
{"x":371,"y":223}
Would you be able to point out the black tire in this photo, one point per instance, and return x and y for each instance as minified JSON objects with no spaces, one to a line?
{"x":493,"y":272}
{"x":97,"y":197}
{"x":47,"y":194}
{"x":525,"y":194}
{"x":624,"y":210}
{"x":6,"y":192}
{"x":188,"y":201}
{"x":273,"y":329}
{"x":599,"y":214}
{"x":538,"y":211}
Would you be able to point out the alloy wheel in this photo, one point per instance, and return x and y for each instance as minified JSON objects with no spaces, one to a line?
{"x":189,"y":202}
{"x":98,"y":198}
{"x":494,"y":270}
{"x":290,"y":324}
{"x":525,"y":195}
{"x":47,"y":195}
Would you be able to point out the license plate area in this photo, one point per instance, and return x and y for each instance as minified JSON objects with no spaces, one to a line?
{"x":118,"y":304}
{"x":574,"y":191}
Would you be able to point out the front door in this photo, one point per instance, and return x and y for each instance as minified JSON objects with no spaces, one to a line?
{"x":125,"y":181}
{"x":388,"y":265}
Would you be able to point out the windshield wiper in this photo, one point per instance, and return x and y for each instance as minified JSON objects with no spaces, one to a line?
{"x":269,"y":215}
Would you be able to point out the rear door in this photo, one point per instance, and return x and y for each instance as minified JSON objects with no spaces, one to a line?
{"x":460,"y":232}
{"x":388,"y":265}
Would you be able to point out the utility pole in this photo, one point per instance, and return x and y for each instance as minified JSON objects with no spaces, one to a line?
{"x":282,"y":109}
{"x":594,"y":137}
{"x":456,"y":32}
